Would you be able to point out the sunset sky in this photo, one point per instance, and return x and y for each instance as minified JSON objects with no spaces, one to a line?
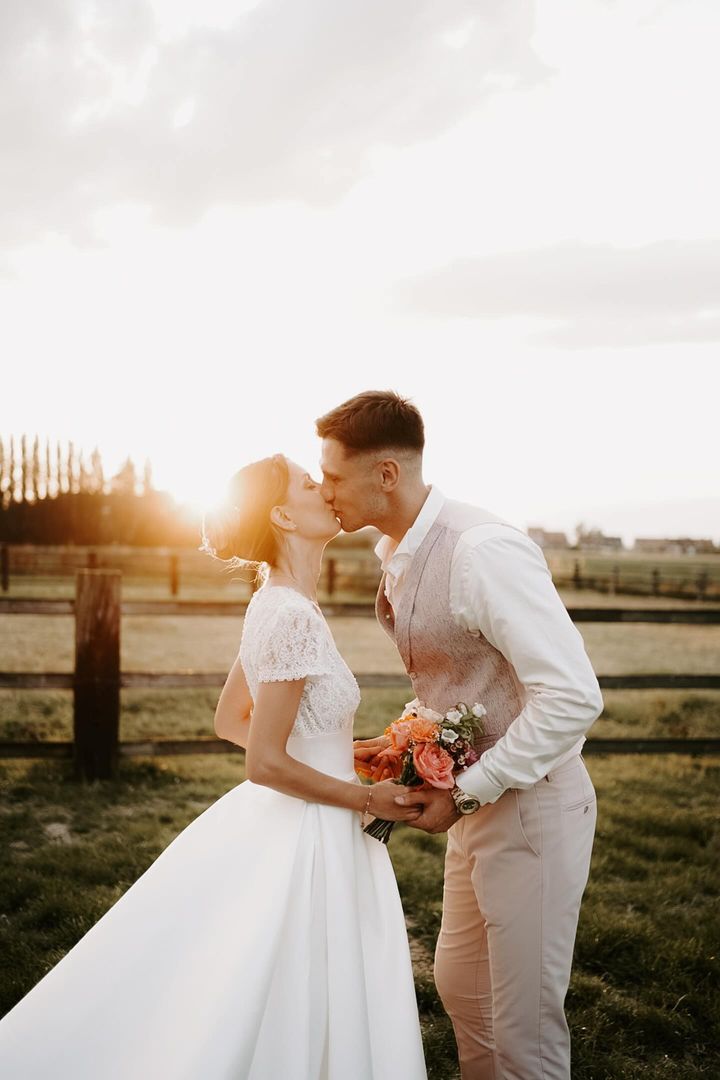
{"x":220,"y":219}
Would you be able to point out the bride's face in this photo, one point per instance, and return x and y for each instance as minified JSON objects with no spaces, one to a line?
{"x":306,"y":507}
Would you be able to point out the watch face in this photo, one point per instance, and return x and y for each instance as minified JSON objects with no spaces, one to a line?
{"x":466,"y":804}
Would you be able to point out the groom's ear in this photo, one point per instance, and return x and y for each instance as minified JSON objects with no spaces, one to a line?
{"x":389,"y":473}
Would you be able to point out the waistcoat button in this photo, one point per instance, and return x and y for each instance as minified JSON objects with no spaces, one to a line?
{"x":412,"y":674}
{"x":388,"y":615}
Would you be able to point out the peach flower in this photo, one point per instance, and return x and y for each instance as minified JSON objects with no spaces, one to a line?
{"x":399,"y":732}
{"x":434,"y":765}
{"x":423,"y":730}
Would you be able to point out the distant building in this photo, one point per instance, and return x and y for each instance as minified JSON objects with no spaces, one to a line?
{"x":595,"y":540}
{"x":545,"y":539}
{"x":678,"y":545}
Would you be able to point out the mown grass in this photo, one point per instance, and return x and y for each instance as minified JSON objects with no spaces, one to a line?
{"x":643,"y":1000}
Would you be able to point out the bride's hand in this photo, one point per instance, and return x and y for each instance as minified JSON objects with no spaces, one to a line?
{"x":383,"y":805}
{"x":365,"y":752}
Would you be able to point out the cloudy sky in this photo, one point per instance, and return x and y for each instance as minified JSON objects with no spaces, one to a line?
{"x":219,"y":219}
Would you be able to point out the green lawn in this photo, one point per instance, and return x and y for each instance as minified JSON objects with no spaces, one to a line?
{"x":643,"y":1001}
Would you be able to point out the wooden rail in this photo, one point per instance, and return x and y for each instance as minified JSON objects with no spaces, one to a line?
{"x":97,"y":679}
{"x":347,"y":565}
{"x":171,"y":747}
{"x":133,"y":680}
{"x":237,"y":608}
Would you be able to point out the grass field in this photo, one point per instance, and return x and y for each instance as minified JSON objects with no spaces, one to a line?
{"x":643,"y":1001}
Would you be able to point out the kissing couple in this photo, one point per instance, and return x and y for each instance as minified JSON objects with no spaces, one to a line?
{"x":268,"y":938}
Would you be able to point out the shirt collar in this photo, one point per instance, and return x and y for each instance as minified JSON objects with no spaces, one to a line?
{"x":393,"y":555}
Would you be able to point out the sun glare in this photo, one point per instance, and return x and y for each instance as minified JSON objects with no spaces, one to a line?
{"x":196,"y":495}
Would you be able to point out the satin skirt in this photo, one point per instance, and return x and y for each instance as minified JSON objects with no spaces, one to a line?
{"x":267,"y":940}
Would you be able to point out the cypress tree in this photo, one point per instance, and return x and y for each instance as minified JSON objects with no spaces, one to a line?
{"x":61,"y":475}
{"x":24,"y":469}
{"x":35,"y":470}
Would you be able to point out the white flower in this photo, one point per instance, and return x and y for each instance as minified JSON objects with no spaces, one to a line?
{"x":453,"y":716}
{"x":429,"y":714}
{"x":449,"y":736}
{"x":410,"y":708}
{"x":479,"y":710}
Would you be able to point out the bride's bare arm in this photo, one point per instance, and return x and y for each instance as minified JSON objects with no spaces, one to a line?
{"x":234,"y":707}
{"x":267,"y":761}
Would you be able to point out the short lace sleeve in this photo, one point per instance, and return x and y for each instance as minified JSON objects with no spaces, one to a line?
{"x":294,"y":646}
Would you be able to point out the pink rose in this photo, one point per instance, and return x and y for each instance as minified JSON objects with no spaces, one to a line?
{"x":399,"y":732}
{"x":434,"y":765}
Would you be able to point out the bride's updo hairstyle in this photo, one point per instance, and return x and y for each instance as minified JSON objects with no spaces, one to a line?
{"x":240,"y":532}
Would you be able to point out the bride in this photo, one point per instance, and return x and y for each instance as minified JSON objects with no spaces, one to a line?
{"x":267,"y":940}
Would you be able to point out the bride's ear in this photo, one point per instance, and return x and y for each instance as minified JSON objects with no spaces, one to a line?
{"x":281,"y":520}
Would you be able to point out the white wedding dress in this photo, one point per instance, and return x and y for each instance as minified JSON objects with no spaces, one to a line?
{"x":266,"y":941}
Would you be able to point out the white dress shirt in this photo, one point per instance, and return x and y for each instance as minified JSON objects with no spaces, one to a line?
{"x":500,"y":586}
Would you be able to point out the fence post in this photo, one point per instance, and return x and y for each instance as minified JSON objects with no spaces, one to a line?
{"x":96,"y":697}
{"x":577,"y":579}
{"x":656,"y":582}
{"x":331,"y":577}
{"x":5,"y":566}
{"x":174,"y":575}
{"x":92,"y":560}
{"x":703,"y":579}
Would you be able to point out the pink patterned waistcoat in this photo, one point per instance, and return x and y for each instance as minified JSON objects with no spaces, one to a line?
{"x":447,"y":663}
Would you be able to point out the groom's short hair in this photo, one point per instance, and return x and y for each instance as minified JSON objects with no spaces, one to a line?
{"x":374,"y":420}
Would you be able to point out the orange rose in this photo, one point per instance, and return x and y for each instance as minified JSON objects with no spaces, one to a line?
{"x":423,"y":730}
{"x":434,"y":765}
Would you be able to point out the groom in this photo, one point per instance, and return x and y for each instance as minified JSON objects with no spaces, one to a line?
{"x":470,"y":604}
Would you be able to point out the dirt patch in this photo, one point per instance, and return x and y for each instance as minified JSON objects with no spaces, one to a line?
{"x":422,"y":958}
{"x":58,"y":832}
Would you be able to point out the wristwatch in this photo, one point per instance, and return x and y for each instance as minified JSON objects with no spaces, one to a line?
{"x":466,"y":804}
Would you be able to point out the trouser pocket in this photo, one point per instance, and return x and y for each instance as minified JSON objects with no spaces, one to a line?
{"x":528,"y":818}
{"x":573,"y":785}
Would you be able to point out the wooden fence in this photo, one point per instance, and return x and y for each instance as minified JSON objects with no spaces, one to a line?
{"x":654,"y":581}
{"x":355,"y":570}
{"x":348,"y":569}
{"x":97,"y":679}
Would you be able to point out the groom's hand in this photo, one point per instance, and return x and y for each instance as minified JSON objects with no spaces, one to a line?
{"x":439,"y":809}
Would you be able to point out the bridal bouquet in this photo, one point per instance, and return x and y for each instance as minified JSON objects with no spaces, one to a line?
{"x":425,"y":748}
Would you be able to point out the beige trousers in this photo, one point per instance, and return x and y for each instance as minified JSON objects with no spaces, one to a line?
{"x":515,"y":873}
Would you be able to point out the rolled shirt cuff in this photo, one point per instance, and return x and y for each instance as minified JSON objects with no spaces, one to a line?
{"x":475,"y":781}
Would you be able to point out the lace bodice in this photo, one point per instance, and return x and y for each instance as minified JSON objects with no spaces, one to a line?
{"x":285,"y":636}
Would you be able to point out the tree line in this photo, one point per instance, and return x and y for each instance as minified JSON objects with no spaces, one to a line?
{"x":53,"y":493}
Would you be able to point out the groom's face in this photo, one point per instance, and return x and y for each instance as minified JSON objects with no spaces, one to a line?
{"x":350,"y":486}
